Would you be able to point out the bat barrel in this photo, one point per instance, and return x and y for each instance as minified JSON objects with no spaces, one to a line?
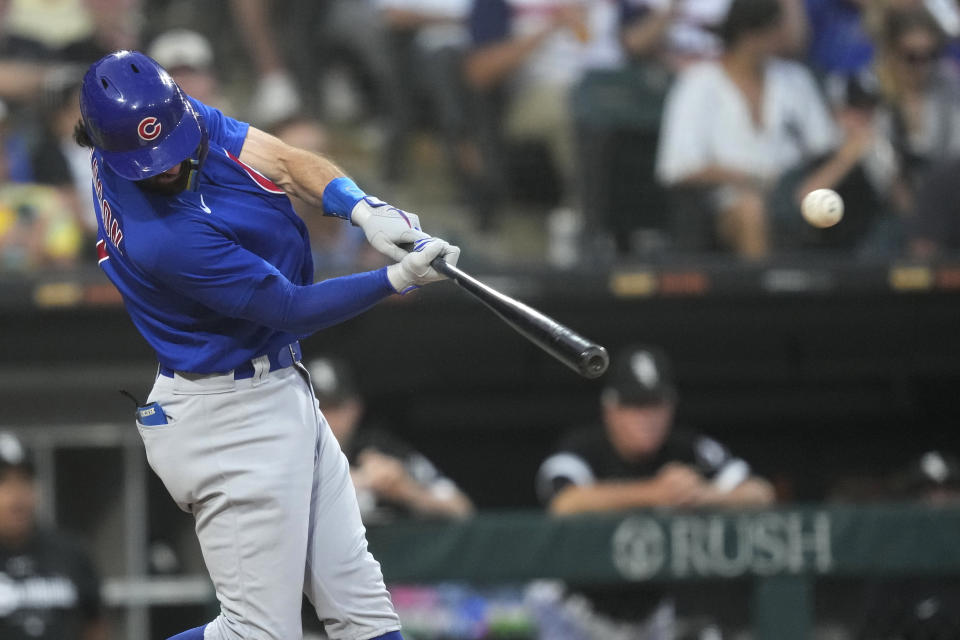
{"x":594,"y":361}
{"x":583,"y":356}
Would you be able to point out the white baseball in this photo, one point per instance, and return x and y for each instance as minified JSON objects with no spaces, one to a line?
{"x":822,"y":208}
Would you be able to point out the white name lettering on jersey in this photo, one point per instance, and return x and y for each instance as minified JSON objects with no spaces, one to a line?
{"x":111,"y":226}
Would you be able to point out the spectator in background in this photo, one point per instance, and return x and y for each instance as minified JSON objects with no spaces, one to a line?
{"x":843,"y":32}
{"x":530,"y":55}
{"x":276,"y":96}
{"x":674,"y":33}
{"x":732,"y":127}
{"x":15,"y":163}
{"x":390,"y":477}
{"x":188,"y":56}
{"x":427,"y":41}
{"x":57,"y":160}
{"x":639,"y":459}
{"x":858,"y":170}
{"x":37,"y":228}
{"x":73,"y":31}
{"x":677,"y":33}
{"x":839,"y":41}
{"x":920,"y":115}
{"x":51,"y":590}
{"x":22,"y":81}
{"x":907,"y":145}
{"x":894,"y":168}
{"x":14,"y":154}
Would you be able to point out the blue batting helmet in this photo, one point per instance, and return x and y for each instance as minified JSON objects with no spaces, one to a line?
{"x":137,"y":116}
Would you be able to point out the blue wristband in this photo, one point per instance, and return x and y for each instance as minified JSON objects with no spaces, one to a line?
{"x":340,"y":197}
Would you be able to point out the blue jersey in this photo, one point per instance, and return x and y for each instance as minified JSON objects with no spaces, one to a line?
{"x":216,"y":276}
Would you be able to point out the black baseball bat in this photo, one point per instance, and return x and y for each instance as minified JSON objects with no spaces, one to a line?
{"x":585,"y":357}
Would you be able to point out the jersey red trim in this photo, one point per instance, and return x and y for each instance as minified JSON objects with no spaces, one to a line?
{"x":261,"y":180}
{"x":102,"y":251}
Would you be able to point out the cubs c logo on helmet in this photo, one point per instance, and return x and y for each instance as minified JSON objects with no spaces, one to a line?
{"x":148,"y":129}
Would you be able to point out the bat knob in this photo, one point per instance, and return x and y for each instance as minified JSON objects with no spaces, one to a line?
{"x":594,"y":362}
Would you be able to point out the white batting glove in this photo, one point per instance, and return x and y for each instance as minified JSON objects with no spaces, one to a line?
{"x":387,"y":227}
{"x":415,"y":270}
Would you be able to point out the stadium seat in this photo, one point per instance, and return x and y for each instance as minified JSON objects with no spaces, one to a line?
{"x":617,"y":119}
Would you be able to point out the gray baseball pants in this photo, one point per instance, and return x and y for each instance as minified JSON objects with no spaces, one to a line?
{"x":276,"y":513}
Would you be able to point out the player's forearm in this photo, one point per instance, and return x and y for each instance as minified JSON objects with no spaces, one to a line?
{"x":306,"y":175}
{"x":607,"y":496}
{"x":301,"y":310}
{"x":298,"y":172}
{"x":488,"y":66}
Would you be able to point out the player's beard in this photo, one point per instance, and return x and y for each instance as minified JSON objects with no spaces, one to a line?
{"x":161,"y":186}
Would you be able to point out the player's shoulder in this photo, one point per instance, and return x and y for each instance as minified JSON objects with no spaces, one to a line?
{"x":171,"y":225}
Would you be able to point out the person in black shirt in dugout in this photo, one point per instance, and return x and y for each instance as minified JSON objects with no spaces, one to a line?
{"x":391,"y":478}
{"x":638,"y":459}
{"x":49,"y":589}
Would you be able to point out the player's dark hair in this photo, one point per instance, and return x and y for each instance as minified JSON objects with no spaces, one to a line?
{"x":747,"y":16}
{"x":80,"y":135}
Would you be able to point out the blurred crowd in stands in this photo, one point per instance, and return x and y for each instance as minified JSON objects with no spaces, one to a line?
{"x":649,"y":128}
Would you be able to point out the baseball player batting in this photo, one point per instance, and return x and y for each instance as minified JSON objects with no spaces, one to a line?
{"x":198,"y":234}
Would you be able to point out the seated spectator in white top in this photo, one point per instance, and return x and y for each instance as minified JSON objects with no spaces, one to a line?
{"x":733,"y":126}
{"x":537,"y":50}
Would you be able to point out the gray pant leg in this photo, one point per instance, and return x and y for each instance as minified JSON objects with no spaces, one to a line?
{"x":343,"y":580}
{"x":241,"y":459}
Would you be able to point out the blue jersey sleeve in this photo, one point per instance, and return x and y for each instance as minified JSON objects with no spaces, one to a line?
{"x":489,"y":22}
{"x":207,"y":266}
{"x":223,"y":130}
